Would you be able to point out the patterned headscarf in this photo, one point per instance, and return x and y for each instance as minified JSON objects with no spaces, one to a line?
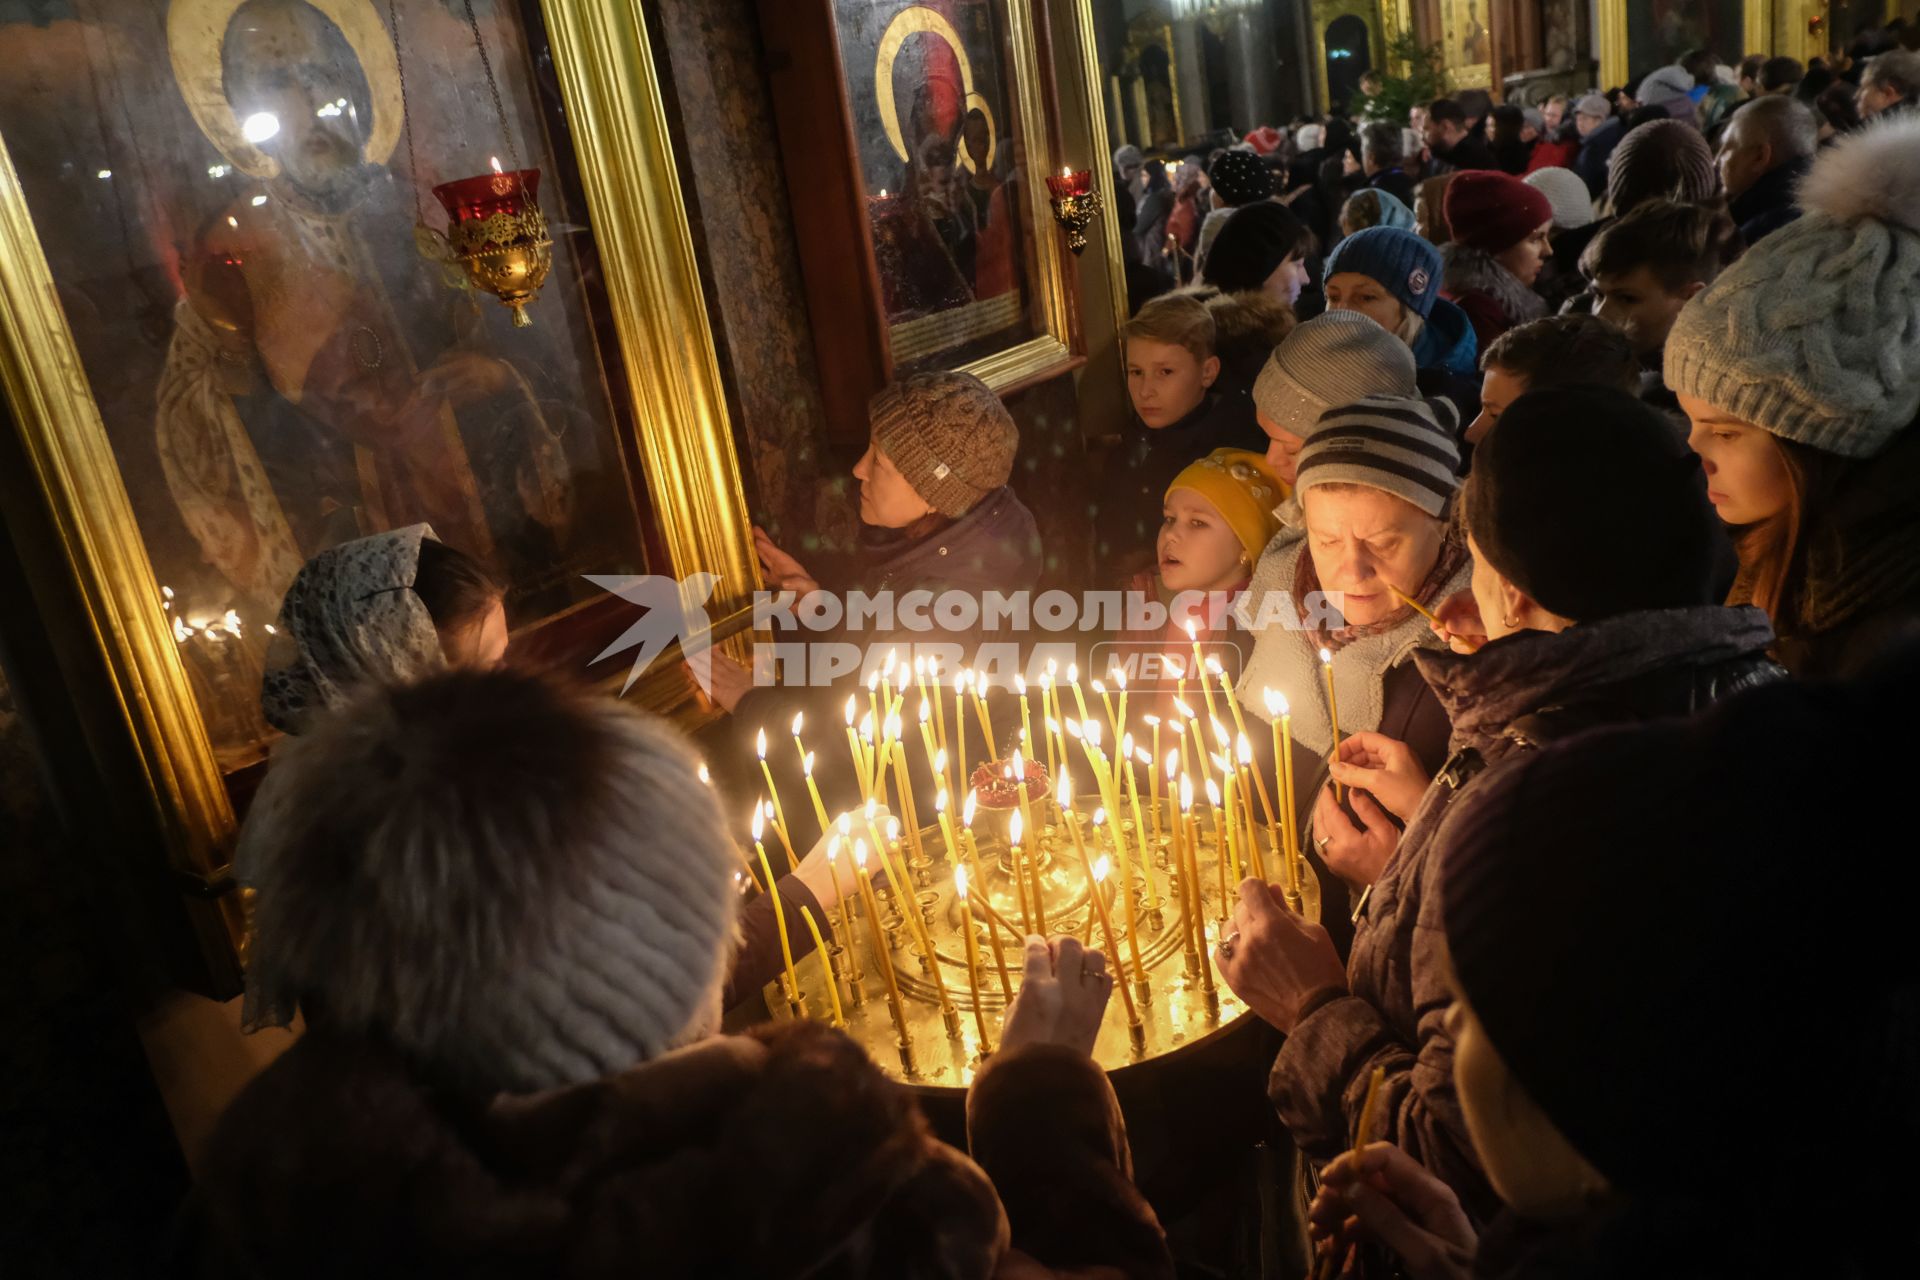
{"x":350,"y":618}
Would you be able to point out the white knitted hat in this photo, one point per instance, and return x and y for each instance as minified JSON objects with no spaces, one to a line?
{"x":1814,"y":335}
{"x":1566,"y":191}
{"x":1333,"y":359}
{"x":516,"y":886}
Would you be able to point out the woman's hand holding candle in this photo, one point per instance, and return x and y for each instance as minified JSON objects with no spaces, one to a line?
{"x":1357,"y":854}
{"x":1385,"y":768}
{"x":1381,"y":1192}
{"x":1277,"y":963}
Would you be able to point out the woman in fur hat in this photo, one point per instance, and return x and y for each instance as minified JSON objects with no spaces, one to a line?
{"x":505,"y":911}
{"x":1799,"y":369}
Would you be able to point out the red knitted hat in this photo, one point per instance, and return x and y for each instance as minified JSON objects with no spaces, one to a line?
{"x":1489,"y":210}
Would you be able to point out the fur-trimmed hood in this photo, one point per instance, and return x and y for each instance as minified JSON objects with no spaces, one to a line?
{"x":1246,"y":328}
{"x":1466,"y":270}
{"x":1870,"y":174}
{"x":782,"y":1153}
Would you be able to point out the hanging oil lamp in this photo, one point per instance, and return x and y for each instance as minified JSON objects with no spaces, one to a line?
{"x":497,"y":233}
{"x":1076,"y":202}
{"x":496,"y":238}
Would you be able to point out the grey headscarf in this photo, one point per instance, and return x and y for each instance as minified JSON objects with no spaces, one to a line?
{"x":350,"y":618}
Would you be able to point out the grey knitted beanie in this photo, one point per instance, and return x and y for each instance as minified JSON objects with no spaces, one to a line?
{"x":1814,"y":335}
{"x":1662,"y":159}
{"x":1332,"y":359}
{"x":517,"y":886}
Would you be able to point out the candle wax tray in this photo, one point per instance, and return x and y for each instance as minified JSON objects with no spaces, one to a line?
{"x":944,"y":1051}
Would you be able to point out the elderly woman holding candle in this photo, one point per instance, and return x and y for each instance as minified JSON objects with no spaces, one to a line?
{"x":505,"y":911}
{"x":1583,"y":632}
{"x":1333,"y":632}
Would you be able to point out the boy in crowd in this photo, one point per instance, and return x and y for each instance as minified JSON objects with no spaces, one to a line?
{"x":1171,"y":364}
{"x":1555,"y":352}
{"x":1645,"y":267}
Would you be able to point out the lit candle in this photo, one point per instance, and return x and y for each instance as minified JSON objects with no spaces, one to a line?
{"x":902,"y":782}
{"x":1153,"y":780}
{"x":1244,"y":749}
{"x":779,"y":817}
{"x":846,"y":911}
{"x":1180,"y":734}
{"x":873,"y":718}
{"x":853,"y":748}
{"x":1097,"y":873}
{"x":1280,"y":715}
{"x":880,"y":941}
{"x":1119,"y":676}
{"x":1026,"y":718}
{"x":1073,"y":683}
{"x":826,"y":966}
{"x":1020,"y":793}
{"x":1182,"y":837}
{"x":813,"y":793}
{"x":1333,"y":717}
{"x":1106,"y":701}
{"x":910,"y":911}
{"x":994,"y":922}
{"x":1200,"y":667}
{"x":939,"y":717}
{"x":1048,"y":715}
{"x":986,"y":717}
{"x":1133,"y":802}
{"x":936,"y":758}
{"x":799,"y":719}
{"x":973,"y":957}
{"x":1197,"y":907}
{"x":963,"y":773}
{"x":779,"y":921}
{"x":1038,"y":923}
{"x":1220,"y":857}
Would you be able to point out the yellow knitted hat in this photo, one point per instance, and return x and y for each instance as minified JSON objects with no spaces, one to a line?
{"x":1244,"y":489}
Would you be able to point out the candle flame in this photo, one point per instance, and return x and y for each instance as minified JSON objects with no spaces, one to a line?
{"x":873,"y":682}
{"x":1276,"y":702}
{"x":893,"y":726}
{"x":940,"y":800}
{"x":1073,"y":674}
{"x":760,"y":744}
{"x":966,"y":811}
{"x":1223,"y":762}
{"x":860,"y":855}
{"x":1092,"y":730}
{"x":495,"y":162}
{"x":1193,"y":632}
{"x":1099,"y":816}
{"x":1244,"y":749}
{"x":1052,"y":666}
{"x":940,"y":760}
{"x":1101,"y":868}
{"x":872,"y":807}
{"x":1053,"y":726}
{"x":705,"y":776}
{"x":833,"y":847}
{"x":1186,"y":712}
{"x":1214,"y":668}
{"x":1173,"y":765}
{"x":806,"y":764}
{"x":893,"y":829}
{"x":799,"y":718}
{"x":893,"y":660}
{"x":1126,"y":745}
{"x":1220,"y":734}
{"x":1144,"y":757}
{"x":1186,"y":793}
{"x":852,"y":710}
{"x":1013,"y":827}
{"x":919,"y":665}
{"x":1326,"y":656}
{"x":1119,"y":677}
{"x":1153,"y":722}
{"x":1019,"y":684}
{"x":926,"y":710}
{"x":1073,"y":729}
{"x":845,"y":824}
{"x":759,"y":823}
{"x":1065,"y":172}
{"x":883,"y":193}
{"x":1066,"y":790}
{"x":1097,"y":687}
{"x":1046,"y":680}
{"x":960,"y":882}
{"x":1213,"y":794}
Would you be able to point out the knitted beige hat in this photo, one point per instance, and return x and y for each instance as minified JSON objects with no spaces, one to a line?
{"x":1814,"y":335}
{"x":1332,"y":359}
{"x":948,"y":434}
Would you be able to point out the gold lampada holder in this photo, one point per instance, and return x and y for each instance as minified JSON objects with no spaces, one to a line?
{"x":1076,"y":203}
{"x":1173,"y":1004}
{"x":508,"y":255}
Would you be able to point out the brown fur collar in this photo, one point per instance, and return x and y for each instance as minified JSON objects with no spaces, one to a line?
{"x":785,"y":1152}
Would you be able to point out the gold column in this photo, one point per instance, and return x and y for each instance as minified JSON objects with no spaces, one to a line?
{"x":1610,"y":41}
{"x":1756,"y":28}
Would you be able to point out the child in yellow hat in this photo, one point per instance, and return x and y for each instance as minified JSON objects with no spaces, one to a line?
{"x":1216,"y":518}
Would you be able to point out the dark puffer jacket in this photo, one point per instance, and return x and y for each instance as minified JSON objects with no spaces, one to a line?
{"x":1517,"y":693}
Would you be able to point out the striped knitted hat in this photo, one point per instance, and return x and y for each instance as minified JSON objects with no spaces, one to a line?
{"x":1397,"y":444}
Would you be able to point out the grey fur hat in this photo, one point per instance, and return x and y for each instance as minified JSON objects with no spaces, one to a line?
{"x":517,"y":886}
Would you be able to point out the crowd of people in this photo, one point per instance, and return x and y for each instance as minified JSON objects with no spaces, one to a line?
{"x":1598,"y":424}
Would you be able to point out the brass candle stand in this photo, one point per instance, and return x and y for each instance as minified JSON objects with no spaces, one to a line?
{"x":1175,"y":1004}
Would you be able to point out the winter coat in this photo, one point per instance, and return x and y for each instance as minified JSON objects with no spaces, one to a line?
{"x":1560,"y":279}
{"x":1136,"y":472}
{"x":1375,"y":680}
{"x":1517,"y":693}
{"x":1247,"y":326}
{"x":1492,"y":296}
{"x":1558,"y":152}
{"x":781,"y":1153}
{"x":1471,"y":152}
{"x":1395,"y":182}
{"x":1595,"y":150}
{"x":1769,"y":203}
